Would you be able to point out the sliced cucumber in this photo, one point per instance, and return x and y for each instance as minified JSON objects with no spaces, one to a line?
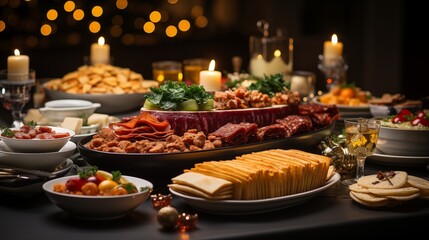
{"x":189,"y":105}
{"x":207,"y":106}
{"x":150,"y":105}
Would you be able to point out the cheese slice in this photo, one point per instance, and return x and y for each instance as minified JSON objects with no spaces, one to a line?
{"x":33,"y":115}
{"x":97,"y":118}
{"x":72,"y":123}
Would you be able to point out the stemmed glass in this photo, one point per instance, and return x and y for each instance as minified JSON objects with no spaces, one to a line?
{"x":361,"y":139}
{"x":15,"y":93}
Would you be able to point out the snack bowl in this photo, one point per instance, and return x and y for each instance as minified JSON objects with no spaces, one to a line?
{"x":403,"y":142}
{"x":55,"y":111}
{"x":46,"y":161}
{"x":38,"y":145}
{"x":98,"y":207}
{"x":385,"y":110}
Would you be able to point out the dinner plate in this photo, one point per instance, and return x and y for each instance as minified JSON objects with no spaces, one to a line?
{"x":154,"y":166}
{"x":22,"y":187}
{"x":397,"y":160}
{"x":241,"y":207}
{"x":345,"y":108}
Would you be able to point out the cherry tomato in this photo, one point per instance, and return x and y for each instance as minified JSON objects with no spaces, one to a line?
{"x":404,"y":112}
{"x":75,"y":184}
{"x":399,"y":119}
{"x":419,"y":120}
{"x":421,"y":114}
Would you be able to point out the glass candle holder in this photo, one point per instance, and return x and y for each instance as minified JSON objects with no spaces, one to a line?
{"x":16,"y":93}
{"x":167,"y":70}
{"x":335,"y":71}
{"x":192,"y":68}
{"x":270,"y":55}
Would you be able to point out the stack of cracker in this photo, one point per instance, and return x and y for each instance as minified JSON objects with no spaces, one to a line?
{"x":373,"y":191}
{"x":101,"y":78}
{"x":259,"y":175}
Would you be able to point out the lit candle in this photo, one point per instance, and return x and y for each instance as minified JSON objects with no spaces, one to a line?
{"x":259,"y":67}
{"x":211,"y":80}
{"x":100,"y":52}
{"x":332,"y":50}
{"x":277,"y":64}
{"x":18,"y":66}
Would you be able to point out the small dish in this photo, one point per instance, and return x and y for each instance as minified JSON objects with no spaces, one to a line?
{"x":37,"y":145}
{"x":88,"y":129}
{"x":27,"y":188}
{"x":403,"y":142}
{"x":383,"y":110}
{"x":55,"y":111}
{"x":98,"y":207}
{"x":46,"y":161}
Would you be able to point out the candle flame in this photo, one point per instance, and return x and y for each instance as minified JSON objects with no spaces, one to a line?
{"x":16,"y":52}
{"x":334,"y":39}
{"x":212,"y":65}
{"x":101,"y":41}
{"x":277,"y":53}
{"x":259,"y":56}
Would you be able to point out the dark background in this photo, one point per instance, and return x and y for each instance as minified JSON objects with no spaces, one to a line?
{"x":383,"y":43}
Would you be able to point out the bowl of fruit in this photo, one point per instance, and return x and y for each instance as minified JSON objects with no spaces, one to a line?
{"x":98,"y":194}
{"x":404,"y":134}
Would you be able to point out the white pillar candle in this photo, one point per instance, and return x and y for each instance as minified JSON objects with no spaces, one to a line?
{"x":211,"y":80}
{"x":332,"y":50}
{"x":100,"y":52}
{"x":18,"y":66}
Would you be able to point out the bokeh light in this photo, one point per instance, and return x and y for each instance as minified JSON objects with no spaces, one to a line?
{"x":172,"y":1}
{"x":171,"y":31}
{"x":201,"y":22}
{"x":52,"y":14}
{"x":121,"y":4}
{"x":78,"y":14}
{"x":197,"y":11}
{"x":94,"y":27}
{"x":45,"y":30}
{"x":149,"y":27}
{"x":128,"y":39}
{"x":155,"y":16}
{"x":184,"y":25}
{"x":2,"y":26}
{"x":97,"y":11}
{"x":116,"y":31}
{"x":69,"y":6}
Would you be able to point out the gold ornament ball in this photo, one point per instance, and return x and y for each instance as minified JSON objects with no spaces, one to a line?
{"x":168,"y":217}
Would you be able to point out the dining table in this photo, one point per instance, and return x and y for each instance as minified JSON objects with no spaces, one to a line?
{"x":330,"y":214}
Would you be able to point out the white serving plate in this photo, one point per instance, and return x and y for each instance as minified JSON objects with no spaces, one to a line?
{"x":346,"y":108}
{"x":240,"y":207}
{"x":398,"y":160}
{"x":46,"y":161}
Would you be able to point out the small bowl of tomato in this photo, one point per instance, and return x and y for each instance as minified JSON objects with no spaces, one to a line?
{"x":97,"y":194}
{"x":36,"y":139}
{"x":405,"y":134}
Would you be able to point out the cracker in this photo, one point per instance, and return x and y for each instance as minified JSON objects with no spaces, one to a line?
{"x":403,"y":191}
{"x":358,"y":188}
{"x":368,"y":197}
{"x":371,"y":181}
{"x":367,"y":203}
{"x":418,"y":182}
{"x":404,"y":198}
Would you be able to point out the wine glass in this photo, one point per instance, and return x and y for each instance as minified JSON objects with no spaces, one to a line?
{"x":361,"y":139}
{"x":15,"y":93}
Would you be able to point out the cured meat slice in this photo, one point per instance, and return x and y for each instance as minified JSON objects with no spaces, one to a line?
{"x":271,"y":132}
{"x":295,"y":124}
{"x":320,"y":115}
{"x":231,"y":134}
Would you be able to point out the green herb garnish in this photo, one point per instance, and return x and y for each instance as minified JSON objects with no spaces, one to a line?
{"x":131,"y":188}
{"x":87,"y":172}
{"x":7,"y":132}
{"x":170,"y":95}
{"x":116,"y":176}
{"x":271,"y":85}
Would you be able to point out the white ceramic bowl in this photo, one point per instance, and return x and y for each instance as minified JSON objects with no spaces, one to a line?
{"x":98,"y":207}
{"x":41,"y":161}
{"x":37,"y":145}
{"x":383,"y":111}
{"x":55,"y":111}
{"x":403,"y":142}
